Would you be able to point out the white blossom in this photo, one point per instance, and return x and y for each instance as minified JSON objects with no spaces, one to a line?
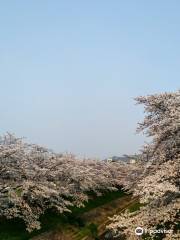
{"x":158,"y":185}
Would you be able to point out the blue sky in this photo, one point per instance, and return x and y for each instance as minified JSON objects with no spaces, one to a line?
{"x":69,"y":70}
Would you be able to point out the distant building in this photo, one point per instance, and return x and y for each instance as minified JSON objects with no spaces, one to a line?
{"x":131,"y":159}
{"x":109,"y":160}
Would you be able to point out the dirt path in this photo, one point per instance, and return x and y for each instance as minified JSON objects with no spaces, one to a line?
{"x":100,"y":215}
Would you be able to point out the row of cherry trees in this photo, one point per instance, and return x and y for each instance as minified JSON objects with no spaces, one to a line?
{"x":159,"y":185}
{"x":34,"y":179}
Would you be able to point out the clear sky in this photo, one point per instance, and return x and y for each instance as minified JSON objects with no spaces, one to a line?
{"x":69,"y":70}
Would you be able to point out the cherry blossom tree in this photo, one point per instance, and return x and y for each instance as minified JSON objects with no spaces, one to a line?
{"x":158,"y":187}
{"x":34,"y":179}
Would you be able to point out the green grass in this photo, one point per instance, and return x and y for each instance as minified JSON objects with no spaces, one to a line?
{"x":135,"y":207}
{"x":98,"y":201}
{"x":89,"y":230}
{"x":12,"y":230}
{"x":15,"y":229}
